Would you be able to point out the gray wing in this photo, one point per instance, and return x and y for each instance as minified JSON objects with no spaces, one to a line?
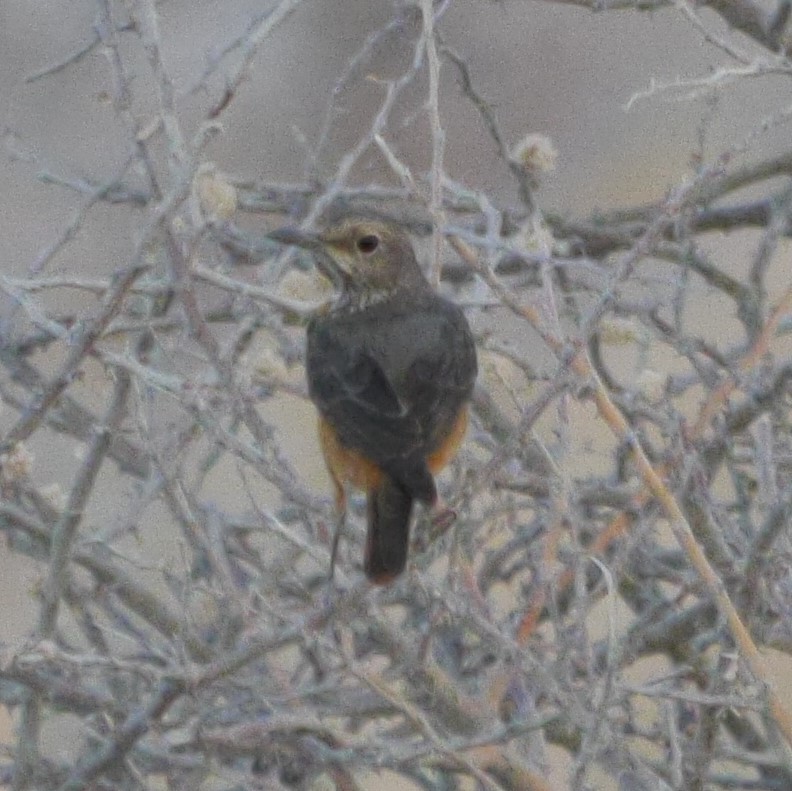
{"x":391,"y":384}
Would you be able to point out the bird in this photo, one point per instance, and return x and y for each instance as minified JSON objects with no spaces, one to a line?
{"x":391,"y":367}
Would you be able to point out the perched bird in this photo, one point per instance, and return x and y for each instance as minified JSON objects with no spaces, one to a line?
{"x":391,"y":367}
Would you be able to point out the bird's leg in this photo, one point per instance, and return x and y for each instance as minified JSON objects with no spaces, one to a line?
{"x":341,"y":512}
{"x":441,"y":515}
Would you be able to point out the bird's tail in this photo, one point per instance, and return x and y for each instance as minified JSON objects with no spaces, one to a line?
{"x":388,"y":538}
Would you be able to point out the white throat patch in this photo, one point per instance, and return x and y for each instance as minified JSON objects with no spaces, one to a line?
{"x":363,"y":300}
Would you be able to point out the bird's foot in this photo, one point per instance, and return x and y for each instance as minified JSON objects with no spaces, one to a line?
{"x":442,"y":517}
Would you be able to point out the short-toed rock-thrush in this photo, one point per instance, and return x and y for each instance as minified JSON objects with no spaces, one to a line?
{"x":391,"y":367}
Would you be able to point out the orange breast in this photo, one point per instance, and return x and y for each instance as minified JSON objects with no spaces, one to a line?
{"x":448,"y":448}
{"x":348,"y":466}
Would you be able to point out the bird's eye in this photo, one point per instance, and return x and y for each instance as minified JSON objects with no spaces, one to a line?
{"x":368,"y":244}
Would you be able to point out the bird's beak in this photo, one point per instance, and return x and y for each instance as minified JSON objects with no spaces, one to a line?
{"x":308,"y":240}
{"x":296,"y":237}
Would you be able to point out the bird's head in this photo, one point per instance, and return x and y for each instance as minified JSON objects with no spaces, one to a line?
{"x":367,"y":260}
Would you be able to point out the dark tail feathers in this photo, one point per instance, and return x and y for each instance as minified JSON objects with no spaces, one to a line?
{"x":388,"y":538}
